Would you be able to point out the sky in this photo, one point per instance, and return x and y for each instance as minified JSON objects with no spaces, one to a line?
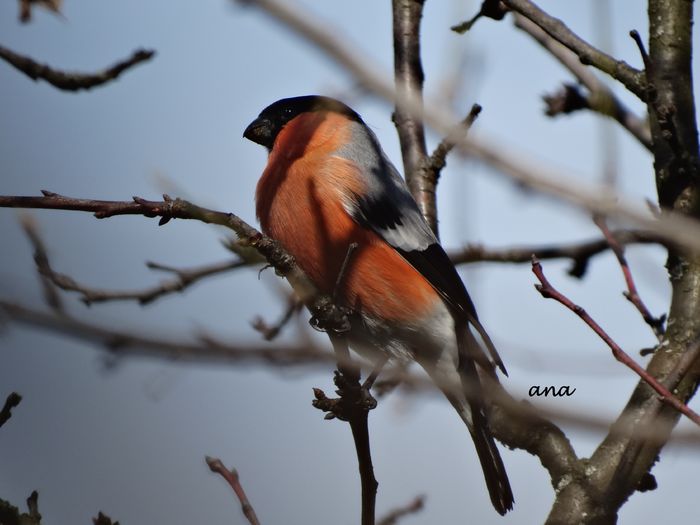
{"x":128,"y":437}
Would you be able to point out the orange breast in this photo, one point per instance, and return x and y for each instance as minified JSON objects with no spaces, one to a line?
{"x":299,"y":202}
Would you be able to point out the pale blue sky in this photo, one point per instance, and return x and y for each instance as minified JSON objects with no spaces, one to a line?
{"x":131,"y":439}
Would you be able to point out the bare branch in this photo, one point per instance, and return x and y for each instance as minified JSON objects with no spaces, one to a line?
{"x":630,"y":77}
{"x":600,"y":98}
{"x":549,"y":292}
{"x":352,"y":406}
{"x":72,"y":81}
{"x":41,"y":258}
{"x":11,"y":402}
{"x":324,"y":311}
{"x":270,"y":332}
{"x":184,"y":279}
{"x":408,"y":76}
{"x":52,"y":279}
{"x":207,"y":350}
{"x":431,"y":166}
{"x":656,"y":323}
{"x":231,"y":477}
{"x":494,"y":9}
{"x":413,"y":507}
{"x":580,"y":253}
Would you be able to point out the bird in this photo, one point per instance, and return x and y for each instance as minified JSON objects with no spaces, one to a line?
{"x":328,"y":187}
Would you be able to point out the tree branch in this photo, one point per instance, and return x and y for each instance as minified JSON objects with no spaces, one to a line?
{"x":321,"y":307}
{"x":549,"y":292}
{"x":580,"y":253}
{"x":353,"y":406}
{"x":431,"y":166}
{"x":408,"y":76}
{"x":393,"y":517}
{"x":52,"y":279}
{"x":231,"y":477}
{"x":72,"y":81}
{"x":600,"y":98}
{"x":206,"y":350}
{"x":621,"y":462}
{"x":631,"y":78}
{"x":655,"y":323}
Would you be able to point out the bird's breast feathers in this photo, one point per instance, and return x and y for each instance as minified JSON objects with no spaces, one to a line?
{"x":305,"y":200}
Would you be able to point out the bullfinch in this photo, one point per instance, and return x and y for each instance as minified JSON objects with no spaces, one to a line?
{"x":328,"y":185}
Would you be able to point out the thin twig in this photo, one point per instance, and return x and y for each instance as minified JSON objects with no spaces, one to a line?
{"x":580,"y":253}
{"x":413,"y":507}
{"x":184,"y":279}
{"x":72,"y":81}
{"x":52,"y":279}
{"x":494,"y":9}
{"x":11,"y":402}
{"x":205,"y":350}
{"x":656,"y":323}
{"x":41,"y":258}
{"x":549,"y":292}
{"x":433,"y":165}
{"x":630,"y":77}
{"x":600,"y":97}
{"x":231,"y":477}
{"x":270,"y":332}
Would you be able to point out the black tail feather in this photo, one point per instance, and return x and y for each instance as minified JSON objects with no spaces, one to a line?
{"x":470,"y":353}
{"x":494,"y":471}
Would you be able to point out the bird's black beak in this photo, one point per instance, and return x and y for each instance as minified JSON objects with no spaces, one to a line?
{"x":260,"y":132}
